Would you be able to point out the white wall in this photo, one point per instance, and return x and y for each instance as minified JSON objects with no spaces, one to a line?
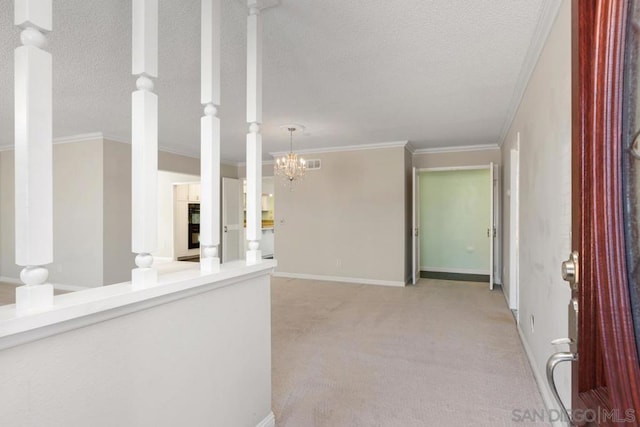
{"x":457,"y":158}
{"x":346,"y":220}
{"x":118,"y":258}
{"x":77,"y":214}
{"x":454,"y":219}
{"x":544,"y":123}
{"x":201,"y":360}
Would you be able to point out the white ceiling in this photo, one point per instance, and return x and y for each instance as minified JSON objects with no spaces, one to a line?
{"x":436,"y":73}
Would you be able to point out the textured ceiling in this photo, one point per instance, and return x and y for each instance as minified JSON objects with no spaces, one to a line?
{"x":436,"y":73}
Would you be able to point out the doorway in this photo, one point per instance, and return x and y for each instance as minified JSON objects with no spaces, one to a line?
{"x":456,"y":223}
{"x":232,"y":228}
{"x":176,"y":191}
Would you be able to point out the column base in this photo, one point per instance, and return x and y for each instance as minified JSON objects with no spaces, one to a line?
{"x":34,"y":298}
{"x":210,"y":265}
{"x":143,"y":278}
{"x":254,"y":257}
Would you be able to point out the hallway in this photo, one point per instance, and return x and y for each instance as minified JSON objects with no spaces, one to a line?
{"x":437,"y":354}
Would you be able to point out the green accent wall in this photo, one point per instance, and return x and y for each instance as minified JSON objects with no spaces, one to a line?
{"x":454,"y":217}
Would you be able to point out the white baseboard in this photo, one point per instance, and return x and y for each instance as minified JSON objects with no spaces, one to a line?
{"x":506,"y":299}
{"x":323,"y":278}
{"x":269,"y":421}
{"x":59,"y":286}
{"x":454,"y":270}
{"x":541,"y":380}
{"x":11,"y":280}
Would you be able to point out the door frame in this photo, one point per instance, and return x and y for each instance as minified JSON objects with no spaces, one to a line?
{"x":514,"y":228}
{"x":415,"y":230}
{"x":495,"y":261}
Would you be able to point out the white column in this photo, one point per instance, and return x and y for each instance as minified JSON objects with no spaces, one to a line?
{"x":33,"y":155}
{"x":254,"y":138}
{"x":210,"y":137}
{"x":144,"y":141}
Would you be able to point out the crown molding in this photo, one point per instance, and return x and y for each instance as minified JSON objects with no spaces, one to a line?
{"x":393,"y":144}
{"x":410,"y":148}
{"x":160,"y":148}
{"x":86,"y":137}
{"x":78,"y":138}
{"x":457,"y":149}
{"x":546,"y":19}
{"x":116,"y":139}
{"x":82,"y":137}
{"x":179,"y":152}
{"x":244,"y":164}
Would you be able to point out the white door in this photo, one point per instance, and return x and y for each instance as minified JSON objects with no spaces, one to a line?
{"x":514,"y":196}
{"x":232,"y":235}
{"x":497,"y":225}
{"x":415,"y":231}
{"x":491,"y":229}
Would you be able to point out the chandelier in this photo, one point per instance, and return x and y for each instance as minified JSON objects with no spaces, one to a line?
{"x":291,"y":167}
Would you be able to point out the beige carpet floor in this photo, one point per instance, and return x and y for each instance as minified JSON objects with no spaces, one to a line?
{"x":436,"y":354}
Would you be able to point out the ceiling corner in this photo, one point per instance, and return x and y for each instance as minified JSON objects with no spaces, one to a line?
{"x":548,"y":14}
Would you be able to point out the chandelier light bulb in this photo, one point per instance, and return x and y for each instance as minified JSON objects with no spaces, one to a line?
{"x":290,"y":166}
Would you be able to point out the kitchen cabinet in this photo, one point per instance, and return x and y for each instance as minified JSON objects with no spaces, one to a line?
{"x":181,"y":230}
{"x":267,"y":243}
{"x":194,"y":192}
{"x":182,"y":193}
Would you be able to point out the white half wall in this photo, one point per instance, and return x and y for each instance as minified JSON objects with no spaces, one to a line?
{"x":201,"y":356}
{"x":544,"y":123}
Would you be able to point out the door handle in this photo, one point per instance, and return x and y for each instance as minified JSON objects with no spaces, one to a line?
{"x":225,"y":228}
{"x":554,"y":360}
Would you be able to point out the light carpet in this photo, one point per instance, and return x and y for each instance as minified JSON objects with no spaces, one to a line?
{"x":437,"y":354}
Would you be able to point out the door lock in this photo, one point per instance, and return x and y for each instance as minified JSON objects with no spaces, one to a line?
{"x":571,"y":270}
